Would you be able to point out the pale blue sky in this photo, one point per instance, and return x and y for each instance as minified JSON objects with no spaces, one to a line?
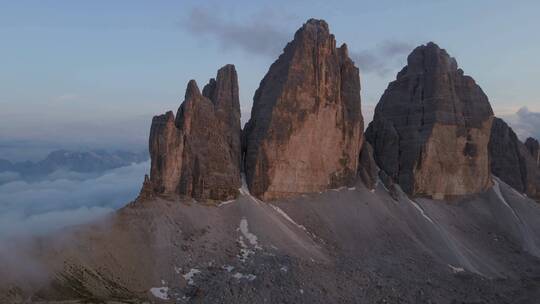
{"x":96,"y":71}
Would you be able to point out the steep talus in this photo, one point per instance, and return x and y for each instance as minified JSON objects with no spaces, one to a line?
{"x":338,"y":246}
{"x":305,"y":130}
{"x":431,"y":128}
{"x":197,"y":154}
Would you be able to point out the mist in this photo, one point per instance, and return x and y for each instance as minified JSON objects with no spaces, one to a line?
{"x":65,"y":199}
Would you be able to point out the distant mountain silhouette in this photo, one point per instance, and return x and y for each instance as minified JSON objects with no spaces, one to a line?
{"x":94,"y":161}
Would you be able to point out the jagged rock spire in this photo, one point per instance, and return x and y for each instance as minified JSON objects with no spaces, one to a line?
{"x":198,"y":153}
{"x":305,"y":130}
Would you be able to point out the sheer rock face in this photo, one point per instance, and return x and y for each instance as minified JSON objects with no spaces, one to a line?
{"x":198,"y":153}
{"x":534,"y":149}
{"x":305,"y":131}
{"x":511,"y":160}
{"x":432,"y":126}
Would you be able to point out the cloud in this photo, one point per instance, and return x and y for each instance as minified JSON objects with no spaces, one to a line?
{"x":255,"y":36}
{"x":8,"y":176}
{"x":382,"y":59}
{"x":260,"y":37}
{"x":38,"y":208}
{"x":525,"y":123}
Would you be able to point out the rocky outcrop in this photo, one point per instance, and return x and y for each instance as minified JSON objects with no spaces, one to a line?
{"x":367,"y":168}
{"x":432,"y":126}
{"x":511,"y":160}
{"x":197,"y":154}
{"x":534,"y":149}
{"x":305,"y":130}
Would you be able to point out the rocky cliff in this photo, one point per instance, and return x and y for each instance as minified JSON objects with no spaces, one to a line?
{"x":305,"y":130}
{"x":512,"y":161}
{"x":197,"y":154}
{"x":534,"y":149}
{"x":367,"y":167}
{"x":432,"y":126}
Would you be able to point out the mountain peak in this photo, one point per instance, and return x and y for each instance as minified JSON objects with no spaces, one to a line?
{"x":430,"y":58}
{"x":305,"y":131}
{"x":199,"y":154}
{"x":192,"y":90}
{"x":431,"y":127}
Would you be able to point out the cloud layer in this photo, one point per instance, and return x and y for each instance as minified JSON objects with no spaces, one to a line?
{"x":42,"y":207}
{"x":525,"y":123}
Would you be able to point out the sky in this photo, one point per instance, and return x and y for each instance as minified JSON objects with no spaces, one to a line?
{"x":95,"y":72}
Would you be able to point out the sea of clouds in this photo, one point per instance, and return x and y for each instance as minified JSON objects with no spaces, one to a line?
{"x":65,"y":199}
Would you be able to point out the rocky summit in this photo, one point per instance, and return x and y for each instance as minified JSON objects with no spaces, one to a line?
{"x":431,"y":128}
{"x":305,"y":130}
{"x":197,"y":154}
{"x":512,"y":161}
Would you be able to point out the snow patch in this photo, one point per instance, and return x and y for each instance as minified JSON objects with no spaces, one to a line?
{"x":189,"y":276}
{"x":286,"y":216}
{"x":284,"y":269}
{"x":160,"y":292}
{"x":226,"y":203}
{"x":415,"y":204}
{"x":351,"y":188}
{"x":239,"y":276}
{"x":245,"y":252}
{"x":497,"y":189}
{"x":228,"y":268}
{"x":252,"y":238}
{"x":379,"y":181}
{"x":456,"y":269}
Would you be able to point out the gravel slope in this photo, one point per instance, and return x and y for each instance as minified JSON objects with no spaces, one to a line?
{"x":346,"y":245}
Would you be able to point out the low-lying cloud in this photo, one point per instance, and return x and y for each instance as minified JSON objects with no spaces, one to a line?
{"x":44,"y":206}
{"x":525,"y":123}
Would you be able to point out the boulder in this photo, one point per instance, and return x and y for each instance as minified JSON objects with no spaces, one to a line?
{"x":431,"y":128}
{"x":197,"y":154}
{"x":305,"y":130}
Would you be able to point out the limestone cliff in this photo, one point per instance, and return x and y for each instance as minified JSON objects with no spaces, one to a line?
{"x":432,"y":126}
{"x":197,"y":154}
{"x":305,"y":130}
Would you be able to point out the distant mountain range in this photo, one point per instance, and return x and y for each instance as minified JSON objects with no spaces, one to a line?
{"x":94,"y":161}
